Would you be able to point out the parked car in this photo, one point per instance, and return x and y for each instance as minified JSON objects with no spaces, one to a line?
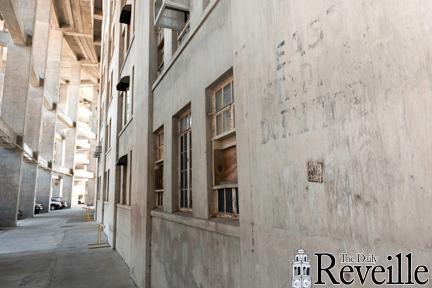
{"x":38,"y":208}
{"x":57,"y":203}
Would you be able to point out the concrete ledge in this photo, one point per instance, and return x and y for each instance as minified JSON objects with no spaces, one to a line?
{"x":124,"y":207}
{"x":219,"y":226}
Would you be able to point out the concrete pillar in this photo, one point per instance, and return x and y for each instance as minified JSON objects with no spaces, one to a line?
{"x":10,"y":169}
{"x":91,"y":184}
{"x":67,"y":189}
{"x":71,"y":133}
{"x":13,"y":111}
{"x":41,"y":36}
{"x":63,"y":100}
{"x":34,"y":105}
{"x":57,"y":185}
{"x":27,"y":189}
{"x":49,"y":117}
{"x":43,"y":188}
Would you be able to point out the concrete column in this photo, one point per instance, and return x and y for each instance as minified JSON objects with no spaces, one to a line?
{"x":34,"y":105}
{"x":67,"y":189}
{"x":63,"y":100}
{"x":43,"y":188}
{"x":10,"y":169}
{"x":49,"y":117}
{"x":91,"y":184}
{"x":27,"y":189}
{"x":56,"y":186}
{"x":43,"y":185}
{"x":31,"y":138}
{"x":71,"y":134}
{"x":13,"y":111}
{"x":41,"y":36}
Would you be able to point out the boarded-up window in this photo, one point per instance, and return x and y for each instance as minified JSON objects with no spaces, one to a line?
{"x":225,"y":165}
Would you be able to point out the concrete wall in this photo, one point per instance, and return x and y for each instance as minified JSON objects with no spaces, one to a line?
{"x":185,"y":83}
{"x":123,"y":233}
{"x":345,"y":84}
{"x":10,"y":168}
{"x":184,"y":256}
{"x":348,"y":84}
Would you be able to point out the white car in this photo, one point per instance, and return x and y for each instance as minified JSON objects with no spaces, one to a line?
{"x":57,"y":203}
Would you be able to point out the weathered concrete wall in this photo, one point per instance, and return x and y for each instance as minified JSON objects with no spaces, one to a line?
{"x":185,"y":83}
{"x":10,"y":169}
{"x":188,"y":257}
{"x":27,"y":189}
{"x":346,"y":83}
{"x":43,"y":188}
{"x":123,"y":232}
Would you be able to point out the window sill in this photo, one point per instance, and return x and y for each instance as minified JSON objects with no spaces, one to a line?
{"x":226,"y":227}
{"x":125,"y":127}
{"x":224,"y":135}
{"x":227,"y":185}
{"x":124,"y":206}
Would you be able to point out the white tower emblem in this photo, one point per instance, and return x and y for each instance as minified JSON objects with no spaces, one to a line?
{"x":301,"y":271}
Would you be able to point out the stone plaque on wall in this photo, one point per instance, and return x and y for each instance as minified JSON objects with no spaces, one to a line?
{"x":315,"y":171}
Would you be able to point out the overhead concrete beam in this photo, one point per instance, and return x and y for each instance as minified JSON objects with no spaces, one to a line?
{"x":5,"y":38}
{"x":7,"y":135}
{"x":85,"y":131}
{"x":65,"y":119}
{"x":10,"y":12}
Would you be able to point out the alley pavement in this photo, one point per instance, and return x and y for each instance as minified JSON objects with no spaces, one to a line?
{"x":51,"y":251}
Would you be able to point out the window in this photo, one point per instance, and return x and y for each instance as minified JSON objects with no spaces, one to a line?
{"x":160,"y":48}
{"x":108,"y":136}
{"x":225,"y":187}
{"x":185,"y":160}
{"x":98,"y":183}
{"x":124,"y":97}
{"x":124,"y":43}
{"x":158,"y":166}
{"x":110,"y":94}
{"x":223,"y":108}
{"x":106,"y":185}
{"x":125,"y":179}
{"x":129,"y":99}
{"x":130,"y":178}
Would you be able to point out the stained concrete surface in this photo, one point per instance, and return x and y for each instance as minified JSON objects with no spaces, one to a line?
{"x":51,"y":250}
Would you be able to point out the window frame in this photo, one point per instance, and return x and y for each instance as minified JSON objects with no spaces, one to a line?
{"x":224,"y":108}
{"x":186,"y":134}
{"x":159,"y":146}
{"x":221,"y":141}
